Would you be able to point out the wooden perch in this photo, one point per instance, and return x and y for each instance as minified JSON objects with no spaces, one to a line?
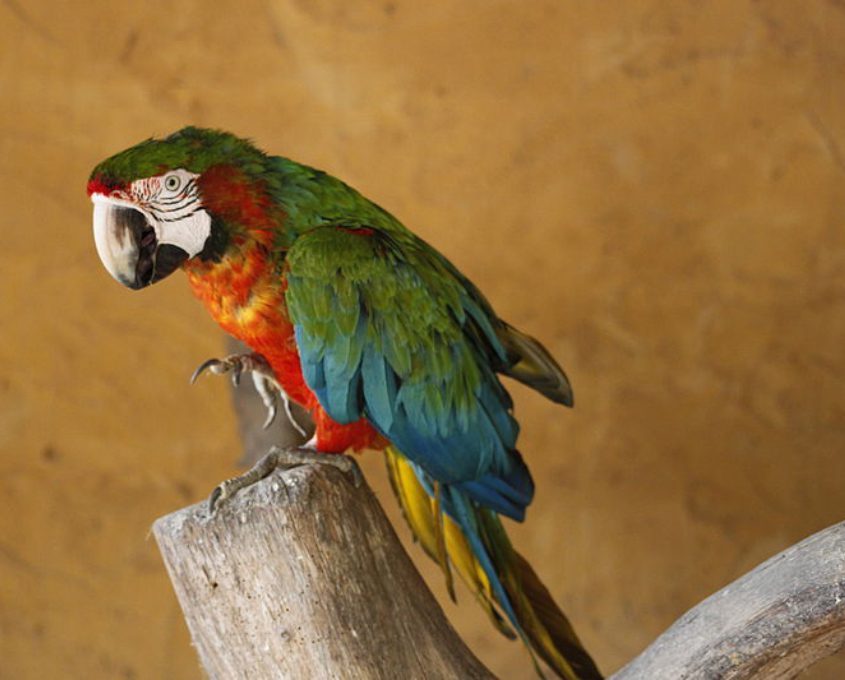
{"x":302,"y":576}
{"x":774,"y":622}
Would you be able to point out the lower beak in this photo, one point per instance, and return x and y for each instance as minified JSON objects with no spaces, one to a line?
{"x":128,"y":248}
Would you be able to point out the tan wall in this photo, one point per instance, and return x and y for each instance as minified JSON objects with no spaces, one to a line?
{"x":653,"y":188}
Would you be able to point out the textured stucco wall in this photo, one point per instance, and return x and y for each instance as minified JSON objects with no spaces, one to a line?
{"x":653,"y":188}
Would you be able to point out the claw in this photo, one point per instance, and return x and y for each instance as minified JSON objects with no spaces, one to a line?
{"x":214,"y":499}
{"x":262,"y":376}
{"x":209,"y":364}
{"x":291,"y":419}
{"x":271,"y":416}
{"x":261,"y":386}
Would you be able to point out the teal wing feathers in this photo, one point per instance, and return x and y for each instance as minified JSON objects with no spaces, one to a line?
{"x":387,"y":330}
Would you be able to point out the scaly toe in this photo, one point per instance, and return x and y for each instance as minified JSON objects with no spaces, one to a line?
{"x":284,"y":459}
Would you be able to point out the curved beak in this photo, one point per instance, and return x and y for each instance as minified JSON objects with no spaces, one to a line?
{"x":128,"y":247}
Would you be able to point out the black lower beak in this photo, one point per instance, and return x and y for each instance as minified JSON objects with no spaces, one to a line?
{"x":166,"y":260}
{"x":155,"y":261}
{"x":145,"y":237}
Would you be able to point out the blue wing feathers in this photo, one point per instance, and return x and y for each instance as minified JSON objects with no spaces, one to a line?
{"x":419,"y":362}
{"x":380,"y":388}
{"x":414,"y":349}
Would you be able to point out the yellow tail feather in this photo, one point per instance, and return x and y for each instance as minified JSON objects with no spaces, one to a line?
{"x":418,"y":509}
{"x":544,"y":627}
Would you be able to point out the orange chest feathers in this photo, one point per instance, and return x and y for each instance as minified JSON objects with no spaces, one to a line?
{"x":246,"y":296}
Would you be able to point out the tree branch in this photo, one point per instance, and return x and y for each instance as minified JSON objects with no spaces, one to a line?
{"x":301,"y":575}
{"x":774,"y":622}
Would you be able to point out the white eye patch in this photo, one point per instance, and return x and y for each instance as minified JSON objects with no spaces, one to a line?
{"x":172,"y":204}
{"x":189,"y":233}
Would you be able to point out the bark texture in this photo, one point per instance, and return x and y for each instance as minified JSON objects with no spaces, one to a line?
{"x":772,"y":623}
{"x":302,"y":576}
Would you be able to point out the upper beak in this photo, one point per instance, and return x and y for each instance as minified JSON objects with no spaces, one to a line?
{"x":128,"y":247}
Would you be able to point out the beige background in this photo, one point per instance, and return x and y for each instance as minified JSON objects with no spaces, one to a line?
{"x":653,"y":188}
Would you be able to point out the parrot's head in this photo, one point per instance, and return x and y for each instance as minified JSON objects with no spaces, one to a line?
{"x":165,"y":201}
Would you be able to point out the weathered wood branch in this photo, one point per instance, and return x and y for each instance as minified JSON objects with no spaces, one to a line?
{"x":302,"y":576}
{"x":774,"y":622}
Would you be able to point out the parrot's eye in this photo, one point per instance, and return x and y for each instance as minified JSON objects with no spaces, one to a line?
{"x":172,"y":182}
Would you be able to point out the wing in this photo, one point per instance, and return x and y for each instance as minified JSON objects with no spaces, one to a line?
{"x":387,"y":329}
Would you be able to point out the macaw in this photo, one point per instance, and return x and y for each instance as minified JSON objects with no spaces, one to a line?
{"x":366,"y":326}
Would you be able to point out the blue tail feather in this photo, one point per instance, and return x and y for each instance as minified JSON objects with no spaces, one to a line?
{"x":459,"y":507}
{"x":457,"y":503}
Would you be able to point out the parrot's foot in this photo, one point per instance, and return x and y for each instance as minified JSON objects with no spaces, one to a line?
{"x":284,"y":459}
{"x":262,"y":376}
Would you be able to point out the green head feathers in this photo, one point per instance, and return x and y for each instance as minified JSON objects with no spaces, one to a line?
{"x":165,"y":201}
{"x":194,"y":190}
{"x":191,"y":148}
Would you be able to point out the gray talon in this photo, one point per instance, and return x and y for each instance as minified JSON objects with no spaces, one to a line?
{"x":266,"y":385}
{"x":209,"y":364}
{"x":213,"y":499}
{"x":284,"y":459}
{"x":354,"y":471}
{"x":271,"y":416}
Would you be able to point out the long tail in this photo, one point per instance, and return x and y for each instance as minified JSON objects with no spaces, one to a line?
{"x":455,"y":531}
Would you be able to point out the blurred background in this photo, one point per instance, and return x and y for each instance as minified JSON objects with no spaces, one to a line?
{"x":654,"y":189}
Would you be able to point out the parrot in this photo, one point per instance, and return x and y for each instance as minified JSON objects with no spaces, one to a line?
{"x":374,"y":332}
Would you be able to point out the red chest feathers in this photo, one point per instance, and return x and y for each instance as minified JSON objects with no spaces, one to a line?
{"x":245,"y":295}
